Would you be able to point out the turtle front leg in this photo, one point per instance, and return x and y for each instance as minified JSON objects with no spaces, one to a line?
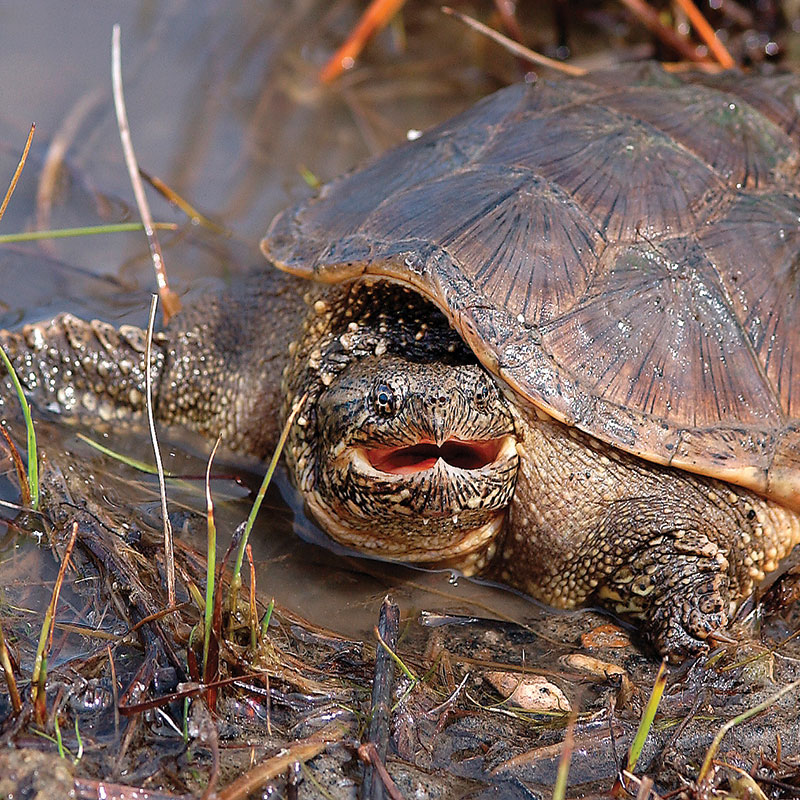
{"x":674,"y":549}
{"x":684,"y":558}
{"x":679,"y":559}
{"x":659,"y":564}
{"x":83,"y":369}
{"x":648,"y":557}
{"x":216,"y":368}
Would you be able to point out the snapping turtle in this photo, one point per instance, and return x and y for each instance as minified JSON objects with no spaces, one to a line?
{"x":553,"y":341}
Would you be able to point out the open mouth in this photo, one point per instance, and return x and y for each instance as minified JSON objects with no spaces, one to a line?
{"x":422,"y":456}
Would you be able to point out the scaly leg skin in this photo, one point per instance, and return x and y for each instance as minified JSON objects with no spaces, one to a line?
{"x":676,"y":578}
{"x":675,"y":549}
{"x":216,"y":368}
{"x":83,"y":369}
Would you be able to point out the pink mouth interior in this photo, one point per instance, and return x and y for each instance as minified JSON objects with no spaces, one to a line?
{"x":419,"y":457}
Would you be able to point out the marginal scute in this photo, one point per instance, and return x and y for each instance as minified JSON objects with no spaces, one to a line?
{"x":620,"y":249}
{"x":756,"y":248}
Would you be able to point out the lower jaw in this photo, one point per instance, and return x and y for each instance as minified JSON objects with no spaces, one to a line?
{"x":468,"y":550}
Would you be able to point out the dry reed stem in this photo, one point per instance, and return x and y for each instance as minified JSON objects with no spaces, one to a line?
{"x":17,"y":171}
{"x":298,"y":752}
{"x":11,"y":681}
{"x":706,"y":33}
{"x":378,"y":14}
{"x":169,"y":299}
{"x":649,"y":18}
{"x":169,"y":551}
{"x":514,"y":47}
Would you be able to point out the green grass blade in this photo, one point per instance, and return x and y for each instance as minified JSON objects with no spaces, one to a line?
{"x":79,"y":754}
{"x":87,"y":230}
{"x":59,"y":741}
{"x":33,"y":455}
{"x":236,"y":581}
{"x":565,"y":759}
{"x":142,"y":466}
{"x":705,"y":770}
{"x":266,"y":618}
{"x":211,"y":568}
{"x":647,"y":717}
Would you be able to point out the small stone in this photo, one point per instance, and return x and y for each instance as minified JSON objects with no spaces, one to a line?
{"x":529,"y":692}
{"x":606,"y":635}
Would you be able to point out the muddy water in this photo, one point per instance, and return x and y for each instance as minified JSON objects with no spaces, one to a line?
{"x":225,"y":106}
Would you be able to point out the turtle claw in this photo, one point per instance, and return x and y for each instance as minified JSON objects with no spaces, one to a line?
{"x":687,"y":620}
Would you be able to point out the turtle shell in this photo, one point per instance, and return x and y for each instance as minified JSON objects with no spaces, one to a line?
{"x":622,"y":249}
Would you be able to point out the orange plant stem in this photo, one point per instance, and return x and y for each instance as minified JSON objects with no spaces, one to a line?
{"x":376,"y":17}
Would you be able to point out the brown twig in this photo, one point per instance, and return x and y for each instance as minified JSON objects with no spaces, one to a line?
{"x":368,"y":753}
{"x":380,"y":714}
{"x":155,"y":616}
{"x":649,"y":18}
{"x":590,"y":743}
{"x":299,"y":751}
{"x":11,"y":681}
{"x":187,"y":690}
{"x":507,"y":10}
{"x":17,"y":171}
{"x":56,"y":152}
{"x":172,"y":197}
{"x":706,"y":33}
{"x":90,"y":789}
{"x":169,"y":299}
{"x":24,"y":487}
{"x":513,"y":47}
{"x":46,"y":638}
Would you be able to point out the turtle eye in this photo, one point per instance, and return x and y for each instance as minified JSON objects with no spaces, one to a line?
{"x":384,"y":400}
{"x":483,"y":395}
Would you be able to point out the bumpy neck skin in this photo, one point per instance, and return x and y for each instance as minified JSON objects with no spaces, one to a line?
{"x":226,"y":357}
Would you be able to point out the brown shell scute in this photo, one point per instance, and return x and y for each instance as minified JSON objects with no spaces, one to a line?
{"x":623,"y":250}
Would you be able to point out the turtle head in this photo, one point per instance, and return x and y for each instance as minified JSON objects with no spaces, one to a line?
{"x":409,"y":460}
